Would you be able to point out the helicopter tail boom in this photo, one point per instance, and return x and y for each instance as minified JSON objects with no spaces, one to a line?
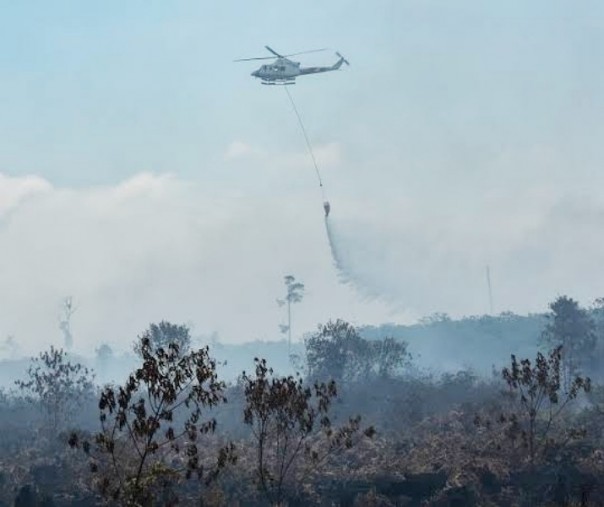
{"x":338,"y":64}
{"x":317,"y":70}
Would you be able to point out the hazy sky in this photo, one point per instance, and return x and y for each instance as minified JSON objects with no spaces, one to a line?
{"x":148,"y":176}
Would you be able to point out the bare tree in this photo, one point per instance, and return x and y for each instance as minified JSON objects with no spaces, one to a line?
{"x":291,"y":427}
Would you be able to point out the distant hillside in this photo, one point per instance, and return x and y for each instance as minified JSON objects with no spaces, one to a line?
{"x":441,"y":344}
{"x":437,"y":344}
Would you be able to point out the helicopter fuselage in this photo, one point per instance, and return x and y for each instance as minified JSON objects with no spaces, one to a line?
{"x":281,"y":69}
{"x":285,"y":71}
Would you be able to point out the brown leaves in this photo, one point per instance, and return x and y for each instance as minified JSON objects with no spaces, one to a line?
{"x":286,"y":416}
{"x":138,"y":420}
{"x":540,"y":400}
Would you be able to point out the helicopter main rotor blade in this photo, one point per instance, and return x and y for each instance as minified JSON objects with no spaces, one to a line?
{"x":278,"y":55}
{"x":274,"y":52}
{"x":309,"y":51}
{"x":258,"y":58}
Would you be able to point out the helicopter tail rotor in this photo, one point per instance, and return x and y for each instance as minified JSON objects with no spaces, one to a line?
{"x":343,"y":59}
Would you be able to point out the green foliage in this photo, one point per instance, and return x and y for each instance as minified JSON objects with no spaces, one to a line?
{"x":162,"y":335}
{"x":295,"y":290}
{"x":569,"y":326}
{"x":435,"y":318}
{"x":389,"y":357}
{"x":285,"y":415}
{"x":338,"y":351}
{"x":151,"y":426}
{"x":57,"y":386}
{"x":104,"y":353}
{"x":596,"y":364}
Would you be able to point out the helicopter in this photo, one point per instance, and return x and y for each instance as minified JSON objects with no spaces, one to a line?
{"x":284,"y":71}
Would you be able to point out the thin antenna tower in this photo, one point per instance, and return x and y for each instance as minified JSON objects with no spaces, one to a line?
{"x":490,"y":289}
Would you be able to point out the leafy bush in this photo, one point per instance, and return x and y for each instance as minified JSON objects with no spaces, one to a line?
{"x":57,"y":386}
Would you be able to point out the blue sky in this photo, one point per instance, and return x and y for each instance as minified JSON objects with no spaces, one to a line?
{"x":93,"y":92}
{"x":463,"y":134}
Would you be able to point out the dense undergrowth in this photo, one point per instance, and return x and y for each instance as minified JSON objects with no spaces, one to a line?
{"x":360,"y":425}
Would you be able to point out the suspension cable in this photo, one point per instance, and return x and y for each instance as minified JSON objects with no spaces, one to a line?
{"x":308,"y":145}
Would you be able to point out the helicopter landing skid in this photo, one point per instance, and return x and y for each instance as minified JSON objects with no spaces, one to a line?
{"x":278,"y":83}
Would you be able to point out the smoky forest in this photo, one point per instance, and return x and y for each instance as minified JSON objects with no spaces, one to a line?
{"x":349,"y":416}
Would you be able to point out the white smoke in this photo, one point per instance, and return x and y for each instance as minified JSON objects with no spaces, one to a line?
{"x":537,"y":246}
{"x":157,"y":247}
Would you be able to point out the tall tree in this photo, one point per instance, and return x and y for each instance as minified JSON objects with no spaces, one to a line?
{"x":597,"y":359}
{"x":294,"y":294}
{"x":67,"y":310}
{"x":337,"y":351}
{"x":570,"y":327}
